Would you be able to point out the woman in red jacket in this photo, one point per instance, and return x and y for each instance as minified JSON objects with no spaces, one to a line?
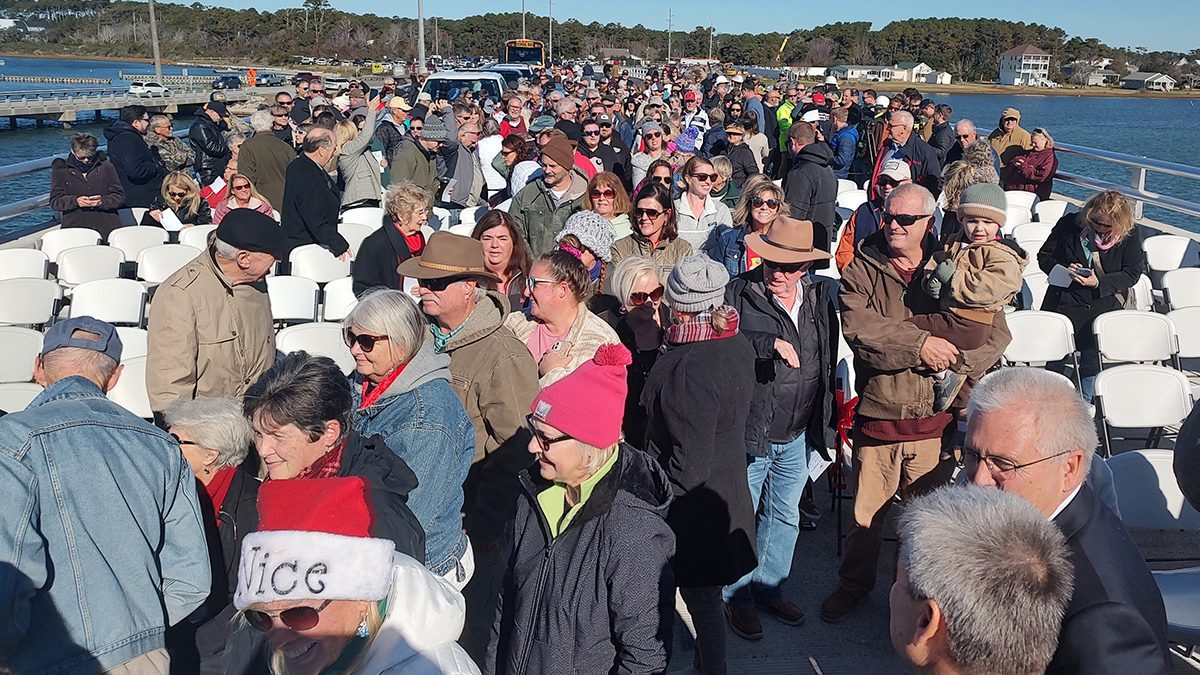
{"x":1034,"y":171}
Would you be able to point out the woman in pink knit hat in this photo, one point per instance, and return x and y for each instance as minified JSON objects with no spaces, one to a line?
{"x":589,"y":588}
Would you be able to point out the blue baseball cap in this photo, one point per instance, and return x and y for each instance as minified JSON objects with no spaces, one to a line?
{"x":61,"y":335}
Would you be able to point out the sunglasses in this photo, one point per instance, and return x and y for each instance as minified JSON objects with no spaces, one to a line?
{"x":296,"y":618}
{"x":649,"y":213}
{"x":759,"y":201}
{"x":417,"y":127}
{"x":964,"y":136}
{"x":177,"y":195}
{"x":592,"y":133}
{"x":364,"y":342}
{"x":638,"y":298}
{"x":786,"y":268}
{"x":182,"y":442}
{"x":543,"y":440}
{"x":244,"y":186}
{"x":704,"y":177}
{"x":654,"y":134}
{"x":607,"y":193}
{"x":904,"y":219}
{"x":665,"y":180}
{"x":887,"y":182}
{"x":438,"y":285}
{"x":532,"y":282}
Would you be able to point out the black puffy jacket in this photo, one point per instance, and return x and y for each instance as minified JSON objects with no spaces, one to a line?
{"x":137,"y":164}
{"x":212,"y":152}
{"x":810,"y":190}
{"x":742,"y":159}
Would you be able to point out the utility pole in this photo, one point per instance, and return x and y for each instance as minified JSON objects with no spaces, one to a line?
{"x":436,"y":48}
{"x":420,"y":37}
{"x":550,"y":42}
{"x":668,"y":36}
{"x":710,"y":39}
{"x":522,"y":19}
{"x":154,"y":45}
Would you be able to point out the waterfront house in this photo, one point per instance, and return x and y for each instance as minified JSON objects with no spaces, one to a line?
{"x":1148,"y":82}
{"x":865,"y":73}
{"x":938,"y":77}
{"x":1025,"y":66}
{"x":912,"y":71}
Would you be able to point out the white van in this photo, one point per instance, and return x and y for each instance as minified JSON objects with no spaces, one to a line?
{"x":449,"y":84}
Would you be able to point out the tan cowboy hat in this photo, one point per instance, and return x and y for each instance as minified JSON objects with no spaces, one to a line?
{"x":787,"y":241}
{"x":447,"y":255}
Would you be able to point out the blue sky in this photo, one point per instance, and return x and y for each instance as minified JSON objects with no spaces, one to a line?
{"x":1154,"y":24}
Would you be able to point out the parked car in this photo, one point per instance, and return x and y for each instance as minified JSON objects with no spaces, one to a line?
{"x":227,"y":82}
{"x":336,"y":84}
{"x":269,"y":80}
{"x":449,"y":84}
{"x":148,"y":89}
{"x":302,"y":76}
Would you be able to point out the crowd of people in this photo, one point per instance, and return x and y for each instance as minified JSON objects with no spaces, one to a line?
{"x":597,"y":411}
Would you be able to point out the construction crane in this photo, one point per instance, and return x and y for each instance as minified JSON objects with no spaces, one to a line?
{"x":779,"y":54}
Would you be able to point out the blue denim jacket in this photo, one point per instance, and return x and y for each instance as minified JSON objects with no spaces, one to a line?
{"x":101,"y":545}
{"x":425,"y":424}
{"x":730,"y":250}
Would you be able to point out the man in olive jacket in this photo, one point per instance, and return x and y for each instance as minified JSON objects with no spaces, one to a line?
{"x":496,"y":378}
{"x":416,"y":158}
{"x":210,"y":329}
{"x":542,"y":207}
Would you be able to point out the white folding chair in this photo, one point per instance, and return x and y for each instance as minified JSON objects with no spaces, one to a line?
{"x":1016,"y":215}
{"x":1051,"y":210}
{"x":319,"y":339}
{"x":1167,"y":252}
{"x":16,"y":396}
{"x":1181,"y":288}
{"x":157,"y":263}
{"x":1040,"y":337}
{"x":504,"y":205}
{"x":1186,"y":321}
{"x":846,"y":185}
{"x":117,"y":301}
{"x":1020,"y":199}
{"x":371,"y":216}
{"x":133,"y":240}
{"x":1138,"y":396}
{"x":339,"y":299}
{"x":21,"y":347}
{"x":132,"y":216}
{"x":315,"y":262}
{"x":1031,"y":231}
{"x":1131,"y":336}
{"x":1147,"y":492}
{"x":196,"y":236}
{"x":1143,"y":294}
{"x":1033,"y":290}
{"x":852,"y":199}
{"x":55,"y":242}
{"x":89,"y":263}
{"x":28,"y":302}
{"x":354,"y":233}
{"x":134,"y":342}
{"x":293,"y":299}
{"x":130,"y":391}
{"x":23,"y":263}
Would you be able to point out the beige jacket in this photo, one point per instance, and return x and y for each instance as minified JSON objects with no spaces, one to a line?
{"x":586,"y":335}
{"x":986,"y":278}
{"x":206,"y":337}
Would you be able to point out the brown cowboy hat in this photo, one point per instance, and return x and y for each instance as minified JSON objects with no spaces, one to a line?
{"x":447,"y":255}
{"x":787,"y":241}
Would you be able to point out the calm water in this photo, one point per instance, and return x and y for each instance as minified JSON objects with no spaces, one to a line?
{"x":1158,"y":128}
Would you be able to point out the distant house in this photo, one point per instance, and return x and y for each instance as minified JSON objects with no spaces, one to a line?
{"x":1148,"y":82}
{"x":1102,"y":78}
{"x":939,"y":77}
{"x":1025,"y":66}
{"x":809,"y":71}
{"x":912,"y":71}
{"x":865,"y":73}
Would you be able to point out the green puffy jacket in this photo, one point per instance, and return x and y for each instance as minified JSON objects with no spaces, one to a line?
{"x":540,"y":217}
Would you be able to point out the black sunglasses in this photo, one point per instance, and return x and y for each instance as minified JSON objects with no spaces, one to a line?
{"x":438,"y":285}
{"x":786,"y":268}
{"x":365,"y":342}
{"x":665,"y":180}
{"x":904,"y":219}
{"x":296,"y":618}
{"x":759,"y":201}
{"x":652,"y":213}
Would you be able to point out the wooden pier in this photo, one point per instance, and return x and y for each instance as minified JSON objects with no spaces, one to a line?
{"x":67,"y":106}
{"x":39,"y":79}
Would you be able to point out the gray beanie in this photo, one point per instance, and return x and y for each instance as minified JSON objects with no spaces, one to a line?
{"x":650,"y":125}
{"x":697,"y":284}
{"x":986,"y":200}
{"x":435,"y":129}
{"x":593,"y":231}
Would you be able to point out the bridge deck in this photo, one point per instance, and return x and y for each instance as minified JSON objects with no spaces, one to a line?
{"x":66,"y":106}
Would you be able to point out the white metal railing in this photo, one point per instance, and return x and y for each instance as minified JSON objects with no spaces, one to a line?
{"x":1135,"y":190}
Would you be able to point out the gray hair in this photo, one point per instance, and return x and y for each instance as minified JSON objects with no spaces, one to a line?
{"x":225,"y":250}
{"x":902,"y":117}
{"x":593,"y":457}
{"x":999,"y":571}
{"x":565,"y":105}
{"x":909,"y":191}
{"x":156,"y":120}
{"x":1045,"y":408}
{"x":233,"y":140}
{"x":969,"y":125}
{"x":394,"y":314}
{"x":261,"y":121}
{"x":628,"y":273}
{"x":215,"y":423}
{"x":88,"y":363}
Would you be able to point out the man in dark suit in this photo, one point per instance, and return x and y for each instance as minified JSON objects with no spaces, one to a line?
{"x":310,"y":201}
{"x":1030,"y":434}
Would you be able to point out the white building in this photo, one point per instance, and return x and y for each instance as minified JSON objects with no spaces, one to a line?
{"x":1025,"y":66}
{"x":864,"y":73}
{"x":939,"y":77}
{"x":912,"y":71}
{"x":1148,"y":82}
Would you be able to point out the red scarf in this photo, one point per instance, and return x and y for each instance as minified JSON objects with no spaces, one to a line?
{"x":218,"y":488}
{"x":699,"y":328}
{"x":415,"y":243}
{"x":327,"y":465}
{"x":370,"y":397}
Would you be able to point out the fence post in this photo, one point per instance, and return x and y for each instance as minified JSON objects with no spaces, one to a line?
{"x":1138,"y":181}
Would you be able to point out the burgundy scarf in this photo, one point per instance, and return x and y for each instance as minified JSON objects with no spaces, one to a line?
{"x":699,"y":328}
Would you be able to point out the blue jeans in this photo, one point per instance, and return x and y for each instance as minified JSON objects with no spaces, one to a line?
{"x":776,"y":483}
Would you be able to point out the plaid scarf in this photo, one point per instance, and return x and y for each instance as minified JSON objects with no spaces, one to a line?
{"x":699,"y":328}
{"x":327,"y":465}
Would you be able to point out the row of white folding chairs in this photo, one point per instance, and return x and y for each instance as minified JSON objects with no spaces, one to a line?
{"x":1167,"y":252}
{"x":1122,"y":336}
{"x":297,"y":299}
{"x":22,"y":345}
{"x":324,"y":338}
{"x":1035,"y":283}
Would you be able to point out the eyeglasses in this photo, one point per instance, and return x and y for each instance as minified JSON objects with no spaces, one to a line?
{"x":243,"y":186}
{"x":605,"y":125}
{"x":654,"y":134}
{"x":296,"y":618}
{"x":638,"y":298}
{"x":786,"y":268}
{"x":759,"y":201}
{"x":592,"y":133}
{"x":532,"y":282}
{"x":887,"y":182}
{"x":417,"y":127}
{"x":177,"y":195}
{"x":364,"y":342}
{"x":903,"y":218}
{"x":704,"y":177}
{"x":968,"y":459}
{"x":182,"y":442}
{"x":543,"y":440}
{"x":438,"y":285}
{"x":963,"y":137}
{"x":649,"y":213}
{"x":607,"y":193}
{"x":665,"y":180}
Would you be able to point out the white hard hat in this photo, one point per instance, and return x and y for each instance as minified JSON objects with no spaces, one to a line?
{"x":830,"y":79}
{"x":882,"y":100}
{"x":811,"y":116}
{"x":739,"y":79}
{"x":721,"y":79}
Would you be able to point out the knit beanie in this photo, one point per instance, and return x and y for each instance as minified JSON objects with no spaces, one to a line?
{"x":540,"y":124}
{"x":697,"y":283}
{"x":985,"y":200}
{"x":593,"y":231}
{"x":313,"y":542}
{"x":589,"y":403}
{"x":435,"y":129}
{"x":560,"y":150}
{"x":686,"y":140}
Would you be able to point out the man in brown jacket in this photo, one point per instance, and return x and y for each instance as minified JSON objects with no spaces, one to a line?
{"x":210,"y":329}
{"x":897,"y":435}
{"x":496,"y":379}
{"x":1010,"y":141}
{"x":264,"y":158}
